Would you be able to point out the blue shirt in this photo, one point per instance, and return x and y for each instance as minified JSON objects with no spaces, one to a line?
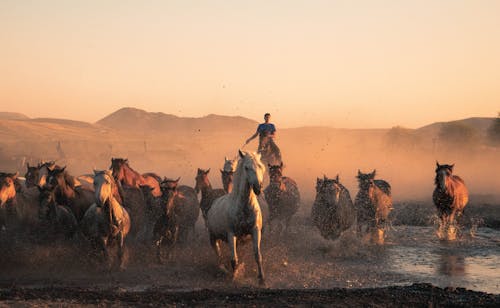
{"x":265,"y":129}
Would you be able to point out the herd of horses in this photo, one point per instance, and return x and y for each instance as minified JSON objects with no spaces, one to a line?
{"x":107,"y":206}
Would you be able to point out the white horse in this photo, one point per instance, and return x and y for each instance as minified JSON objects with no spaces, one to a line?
{"x":106,"y":222}
{"x":238,"y":213}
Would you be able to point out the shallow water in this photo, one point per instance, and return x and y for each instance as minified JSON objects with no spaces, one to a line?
{"x":302,"y":259}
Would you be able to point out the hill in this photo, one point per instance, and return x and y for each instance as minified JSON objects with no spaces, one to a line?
{"x":13,"y":116}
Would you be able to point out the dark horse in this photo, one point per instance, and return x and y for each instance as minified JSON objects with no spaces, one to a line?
{"x":106,"y":222}
{"x":58,"y":219}
{"x":332,"y":212}
{"x":208,"y":194}
{"x":373,"y":204}
{"x":78,"y":199}
{"x":176,"y":216}
{"x":450,"y":197}
{"x":282,"y":196}
{"x":124,"y":174}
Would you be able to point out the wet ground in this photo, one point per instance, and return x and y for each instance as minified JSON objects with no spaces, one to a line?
{"x":301,"y":268}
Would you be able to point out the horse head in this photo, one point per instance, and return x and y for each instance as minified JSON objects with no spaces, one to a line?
{"x":44,"y":169}
{"x":201,"y":180}
{"x":168,"y":193}
{"x":252,"y":170}
{"x":366,"y":180}
{"x":58,"y":177}
{"x":329,"y":189}
{"x":103,"y":186}
{"x":32,"y":175}
{"x":7,"y":187}
{"x":443,"y":172}
{"x":275,"y":174}
{"x":117,"y":167}
{"x":46,"y":199}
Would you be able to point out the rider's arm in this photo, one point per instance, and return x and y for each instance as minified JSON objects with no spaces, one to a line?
{"x":252,"y":137}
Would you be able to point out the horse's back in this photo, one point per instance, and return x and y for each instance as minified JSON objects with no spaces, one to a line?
{"x":187,"y":205}
{"x":384,"y":186}
{"x":153,"y":180}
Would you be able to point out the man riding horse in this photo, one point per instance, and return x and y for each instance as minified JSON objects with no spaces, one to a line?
{"x":267,"y":147}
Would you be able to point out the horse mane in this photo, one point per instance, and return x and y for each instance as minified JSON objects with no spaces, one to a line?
{"x":153,"y":175}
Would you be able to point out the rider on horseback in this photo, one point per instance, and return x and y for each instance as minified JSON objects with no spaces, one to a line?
{"x":266,"y":132}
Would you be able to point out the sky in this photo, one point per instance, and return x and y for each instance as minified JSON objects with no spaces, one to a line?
{"x":352,"y":63}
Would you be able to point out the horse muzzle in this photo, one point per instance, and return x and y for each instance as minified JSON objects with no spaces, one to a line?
{"x":257,"y":189}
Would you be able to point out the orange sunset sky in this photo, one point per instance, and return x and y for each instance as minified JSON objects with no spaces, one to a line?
{"x":349,"y":63}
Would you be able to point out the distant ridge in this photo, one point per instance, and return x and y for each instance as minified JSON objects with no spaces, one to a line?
{"x":137,"y":120}
{"x":481,"y":124}
{"x":13,"y":116}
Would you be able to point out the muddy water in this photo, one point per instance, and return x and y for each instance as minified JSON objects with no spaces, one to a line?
{"x":301,"y":259}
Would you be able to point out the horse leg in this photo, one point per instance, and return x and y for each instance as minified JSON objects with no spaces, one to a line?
{"x":158,"y":244}
{"x":442,"y":226}
{"x":215,"y":243}
{"x":452,"y":230}
{"x":120,"y":249}
{"x":102,"y":243}
{"x":258,"y":256}
{"x":231,"y":240}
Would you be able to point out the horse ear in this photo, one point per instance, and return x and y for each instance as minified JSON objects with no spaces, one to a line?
{"x":374,"y":172}
{"x":95,"y":171}
{"x":221,"y":171}
{"x":451,"y":167}
{"x":15,"y":175}
{"x":337,"y":178}
{"x":324,"y":177}
{"x":242,"y":155}
{"x":27,"y":165}
{"x":177,"y":181}
{"x":126,"y":160}
{"x":226,"y":159}
{"x":206,"y":172}
{"x":359,"y":173}
{"x":281,"y":164}
{"x":63,"y":168}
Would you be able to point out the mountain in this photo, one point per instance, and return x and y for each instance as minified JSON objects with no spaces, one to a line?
{"x":133,"y":120}
{"x":480,"y":124}
{"x":13,"y":116}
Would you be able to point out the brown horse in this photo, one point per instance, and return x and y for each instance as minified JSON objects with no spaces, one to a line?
{"x":269,"y":151}
{"x":450,"y":197}
{"x":58,"y":219}
{"x":177,"y":215}
{"x":208,"y":194}
{"x":373,"y":204}
{"x":227,"y":174}
{"x":332,"y":212}
{"x":124,"y":174}
{"x":77,"y":199}
{"x":282,"y":196}
{"x":106,"y":222}
{"x":8,"y":184}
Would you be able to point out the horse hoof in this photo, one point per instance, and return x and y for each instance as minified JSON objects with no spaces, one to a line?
{"x":240,"y":268}
{"x":262,"y":282}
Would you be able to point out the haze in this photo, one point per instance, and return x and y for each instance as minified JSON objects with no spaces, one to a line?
{"x":353,"y":64}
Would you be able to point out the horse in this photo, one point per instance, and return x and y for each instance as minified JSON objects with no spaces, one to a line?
{"x":269,"y":151}
{"x":106,"y":222}
{"x":373,"y":204}
{"x":124,"y":174}
{"x":58,"y":218}
{"x":208,"y":194}
{"x":332,"y":212}
{"x":227,"y":174}
{"x":37,"y":176}
{"x":282,"y":196}
{"x":450,"y":198}
{"x":176,"y":216}
{"x":77,"y":199}
{"x":238,"y":214}
{"x":8,"y":184}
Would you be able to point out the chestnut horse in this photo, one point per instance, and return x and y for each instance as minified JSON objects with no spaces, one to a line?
{"x":238,"y":214}
{"x":282,"y":196}
{"x":333,"y":211}
{"x":208,"y":194}
{"x":8,"y":184}
{"x":124,"y":174}
{"x":450,"y":197}
{"x":77,"y":199}
{"x":373,"y":204}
